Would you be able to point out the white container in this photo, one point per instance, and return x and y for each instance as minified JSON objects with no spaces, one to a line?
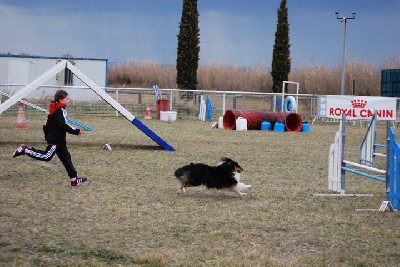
{"x":221,"y":123}
{"x":241,"y":124}
{"x":168,"y":115}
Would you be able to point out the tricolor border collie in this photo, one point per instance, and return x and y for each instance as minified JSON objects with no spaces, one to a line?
{"x":224,"y":176}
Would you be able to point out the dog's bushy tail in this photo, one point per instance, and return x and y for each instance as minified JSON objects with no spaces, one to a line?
{"x":183,"y":173}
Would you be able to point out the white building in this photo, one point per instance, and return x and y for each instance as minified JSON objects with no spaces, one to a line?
{"x":20,"y":70}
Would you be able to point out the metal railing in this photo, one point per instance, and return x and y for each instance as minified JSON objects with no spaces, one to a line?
{"x":184,"y":102}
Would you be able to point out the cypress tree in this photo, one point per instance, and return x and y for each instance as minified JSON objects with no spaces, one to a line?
{"x":187,"y":60}
{"x":281,"y":60}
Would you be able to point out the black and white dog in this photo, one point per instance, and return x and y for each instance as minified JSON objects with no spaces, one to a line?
{"x":225,"y":175}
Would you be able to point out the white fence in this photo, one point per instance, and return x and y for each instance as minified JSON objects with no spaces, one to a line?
{"x":135,"y":100}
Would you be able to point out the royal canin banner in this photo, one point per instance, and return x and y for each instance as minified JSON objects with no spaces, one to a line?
{"x":356,"y":107}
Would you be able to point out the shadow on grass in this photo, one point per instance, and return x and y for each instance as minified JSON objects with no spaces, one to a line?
{"x":103,"y":255}
{"x":211,"y":195}
{"x":88,"y":144}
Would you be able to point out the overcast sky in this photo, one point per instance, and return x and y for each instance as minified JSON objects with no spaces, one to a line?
{"x":234,"y":32}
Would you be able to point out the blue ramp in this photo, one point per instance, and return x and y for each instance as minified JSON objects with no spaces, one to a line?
{"x":152,"y":135}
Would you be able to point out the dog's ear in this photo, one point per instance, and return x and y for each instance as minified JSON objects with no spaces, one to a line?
{"x":226,"y":160}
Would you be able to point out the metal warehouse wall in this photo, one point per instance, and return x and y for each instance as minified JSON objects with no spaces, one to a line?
{"x":23,"y":70}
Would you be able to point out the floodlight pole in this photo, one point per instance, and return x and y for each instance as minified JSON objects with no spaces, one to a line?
{"x":344,"y":19}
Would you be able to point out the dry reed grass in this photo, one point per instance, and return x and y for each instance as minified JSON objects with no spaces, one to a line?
{"x":362,"y":77}
{"x":129,"y":214}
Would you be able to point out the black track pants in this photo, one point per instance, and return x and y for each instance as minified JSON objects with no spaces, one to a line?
{"x":46,"y":155}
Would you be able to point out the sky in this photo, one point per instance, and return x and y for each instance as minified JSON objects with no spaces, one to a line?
{"x":233,"y":32}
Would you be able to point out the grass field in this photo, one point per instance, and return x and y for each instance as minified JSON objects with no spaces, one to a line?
{"x":129,"y":213}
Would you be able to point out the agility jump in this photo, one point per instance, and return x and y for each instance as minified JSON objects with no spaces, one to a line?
{"x":338,"y":166}
{"x":66,"y":64}
{"x":355,"y":108}
{"x":369,"y":146}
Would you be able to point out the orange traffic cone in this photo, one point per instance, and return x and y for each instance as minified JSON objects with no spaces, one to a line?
{"x":21,"y":121}
{"x":148,"y":112}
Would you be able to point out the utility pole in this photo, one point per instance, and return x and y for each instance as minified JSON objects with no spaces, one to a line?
{"x":344,"y":19}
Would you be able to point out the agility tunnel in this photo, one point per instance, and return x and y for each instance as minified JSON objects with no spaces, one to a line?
{"x":292,"y":121}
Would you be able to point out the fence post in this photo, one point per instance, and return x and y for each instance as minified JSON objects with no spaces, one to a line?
{"x":343,"y":156}
{"x":170,"y":99}
{"x":223,"y":103}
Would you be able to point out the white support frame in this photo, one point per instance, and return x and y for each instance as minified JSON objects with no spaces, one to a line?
{"x":52,"y":72}
{"x":32,"y":86}
{"x":66,"y":64}
{"x":100,"y":91}
{"x":297,"y":93}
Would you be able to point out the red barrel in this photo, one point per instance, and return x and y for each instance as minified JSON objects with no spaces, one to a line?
{"x":162,"y":105}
